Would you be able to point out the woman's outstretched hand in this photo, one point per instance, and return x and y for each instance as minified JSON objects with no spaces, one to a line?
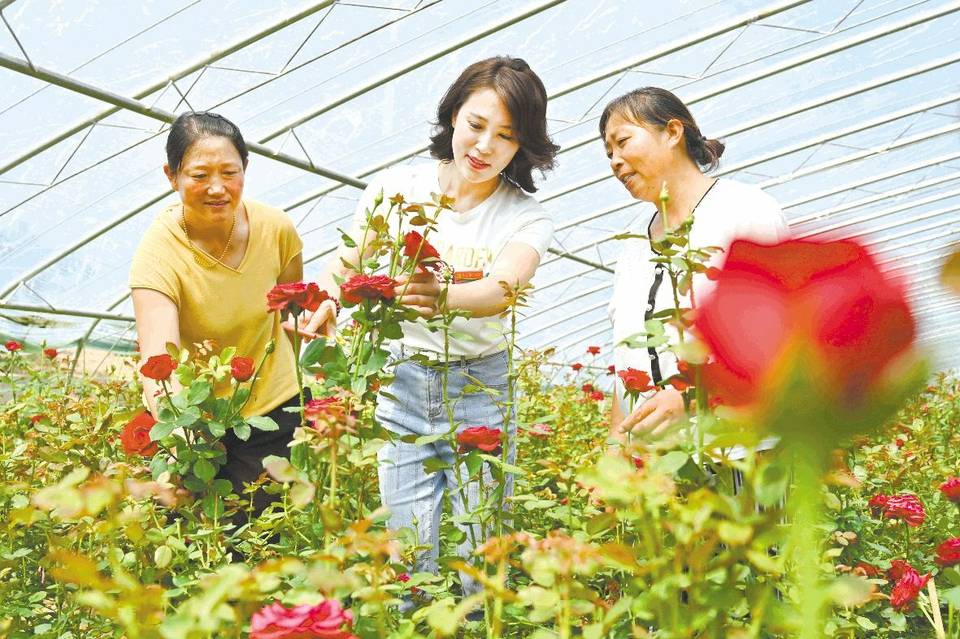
{"x":656,"y":414}
{"x":420,"y":292}
{"x":322,"y":323}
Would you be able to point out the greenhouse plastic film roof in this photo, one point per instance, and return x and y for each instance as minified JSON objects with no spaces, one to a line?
{"x":846,"y":111}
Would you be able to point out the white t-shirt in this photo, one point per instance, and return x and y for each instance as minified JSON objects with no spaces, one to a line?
{"x":730,"y":210}
{"x":469,"y":241}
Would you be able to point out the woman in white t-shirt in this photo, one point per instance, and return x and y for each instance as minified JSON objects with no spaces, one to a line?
{"x":489,"y":137}
{"x":651,"y":139}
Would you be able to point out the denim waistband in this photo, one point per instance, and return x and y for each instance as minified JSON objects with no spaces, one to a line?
{"x":402,"y":351}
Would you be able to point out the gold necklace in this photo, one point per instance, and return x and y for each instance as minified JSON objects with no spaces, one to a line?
{"x":198,"y":254}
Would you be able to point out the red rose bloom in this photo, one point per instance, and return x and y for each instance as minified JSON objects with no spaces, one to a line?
{"x":638,"y":462}
{"x":241,"y":368}
{"x":876,"y":504}
{"x":948,"y":553}
{"x":828,"y":299}
{"x":597,"y":396}
{"x":480,"y":437}
{"x":135,"y":436}
{"x":951,"y":489}
{"x":159,"y":367}
{"x":906,"y":507}
{"x":587,"y":388}
{"x":50,"y":353}
{"x":611,"y":369}
{"x":368,"y":287}
{"x":867,"y":570}
{"x":576,"y":366}
{"x":593,"y":350}
{"x":898,"y":568}
{"x":13,"y":346}
{"x":293,"y":297}
{"x":635,"y":381}
{"x":907,"y":589}
{"x":413,"y":243}
{"x":328,"y":408}
{"x":326,"y":620}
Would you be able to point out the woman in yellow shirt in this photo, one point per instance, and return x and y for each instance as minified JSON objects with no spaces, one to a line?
{"x":202,"y":272}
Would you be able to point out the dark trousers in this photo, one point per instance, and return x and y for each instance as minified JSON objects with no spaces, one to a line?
{"x":245,"y":458}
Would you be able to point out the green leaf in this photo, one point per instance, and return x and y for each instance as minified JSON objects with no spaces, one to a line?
{"x":204,"y":470}
{"x":423,"y":440}
{"x":198,"y":392}
{"x":434,"y":464}
{"x":473,"y":462}
{"x":188,"y":417}
{"x":161,"y":430}
{"x":671,"y":462}
{"x":217,"y":429}
{"x":242,"y":431}
{"x":261,"y":422}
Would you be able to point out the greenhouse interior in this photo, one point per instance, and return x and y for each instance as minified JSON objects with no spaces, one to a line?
{"x":394,"y":319}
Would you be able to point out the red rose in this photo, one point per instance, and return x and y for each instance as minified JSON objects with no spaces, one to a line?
{"x":13,"y":346}
{"x":576,"y":366}
{"x":293,"y":297}
{"x":951,"y":489}
{"x":827,"y":304}
{"x":587,"y":388}
{"x":328,"y":408}
{"x":898,"y":568}
{"x":36,"y":419}
{"x":136,"y":436}
{"x":906,"y":590}
{"x":159,"y":367}
{"x":403,"y":577}
{"x":635,"y":381}
{"x":593,"y":350}
{"x":948,"y":553}
{"x":326,"y":620}
{"x":241,"y":368}
{"x":414,"y":245}
{"x":611,"y":369}
{"x":50,"y":353}
{"x":876,"y":504}
{"x":906,"y":507}
{"x":480,"y":437}
{"x":597,"y":396}
{"x":899,"y":442}
{"x":638,"y":462}
{"x":679,"y":383}
{"x":368,"y":287}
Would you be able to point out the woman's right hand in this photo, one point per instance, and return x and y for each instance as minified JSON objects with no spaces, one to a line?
{"x":322,"y":323}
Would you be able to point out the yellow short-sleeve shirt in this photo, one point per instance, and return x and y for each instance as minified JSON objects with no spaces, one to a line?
{"x":224,"y":304}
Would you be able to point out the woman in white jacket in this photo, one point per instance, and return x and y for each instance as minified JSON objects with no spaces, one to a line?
{"x":651,"y":138}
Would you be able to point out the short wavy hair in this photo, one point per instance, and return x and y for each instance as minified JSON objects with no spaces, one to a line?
{"x":525,"y":98}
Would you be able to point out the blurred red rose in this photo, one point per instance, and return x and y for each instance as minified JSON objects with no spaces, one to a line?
{"x":159,"y":367}
{"x":876,"y":504}
{"x":867,"y":570}
{"x":480,"y":437}
{"x":948,"y":553}
{"x":635,"y":381}
{"x":811,"y":319}
{"x":593,"y":350}
{"x":50,"y":353}
{"x":428,"y":255}
{"x":13,"y":346}
{"x":293,"y":297}
{"x":907,"y":589}
{"x":329,"y":408}
{"x":576,"y":366}
{"x":951,"y":489}
{"x":638,"y":462}
{"x":368,"y":287}
{"x":597,"y":396}
{"x":135,"y":436}
{"x":587,"y":388}
{"x":326,"y":620}
{"x":906,"y":507}
{"x":241,"y":368}
{"x":611,"y":369}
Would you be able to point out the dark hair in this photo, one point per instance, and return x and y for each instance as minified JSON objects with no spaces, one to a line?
{"x":525,"y":98}
{"x":656,"y":106}
{"x":193,"y":125}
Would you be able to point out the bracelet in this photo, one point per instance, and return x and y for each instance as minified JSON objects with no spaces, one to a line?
{"x":335,"y":301}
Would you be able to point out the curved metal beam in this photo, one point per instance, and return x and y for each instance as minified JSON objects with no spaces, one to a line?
{"x":176,"y":75}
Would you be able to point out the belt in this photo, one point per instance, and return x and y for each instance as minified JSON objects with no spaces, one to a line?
{"x":402,"y":351}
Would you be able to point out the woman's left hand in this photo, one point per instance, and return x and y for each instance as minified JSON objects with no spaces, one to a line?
{"x":656,"y":414}
{"x":419,"y":291}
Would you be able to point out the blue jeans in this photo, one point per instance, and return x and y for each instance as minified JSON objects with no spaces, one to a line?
{"x":415,"y":498}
